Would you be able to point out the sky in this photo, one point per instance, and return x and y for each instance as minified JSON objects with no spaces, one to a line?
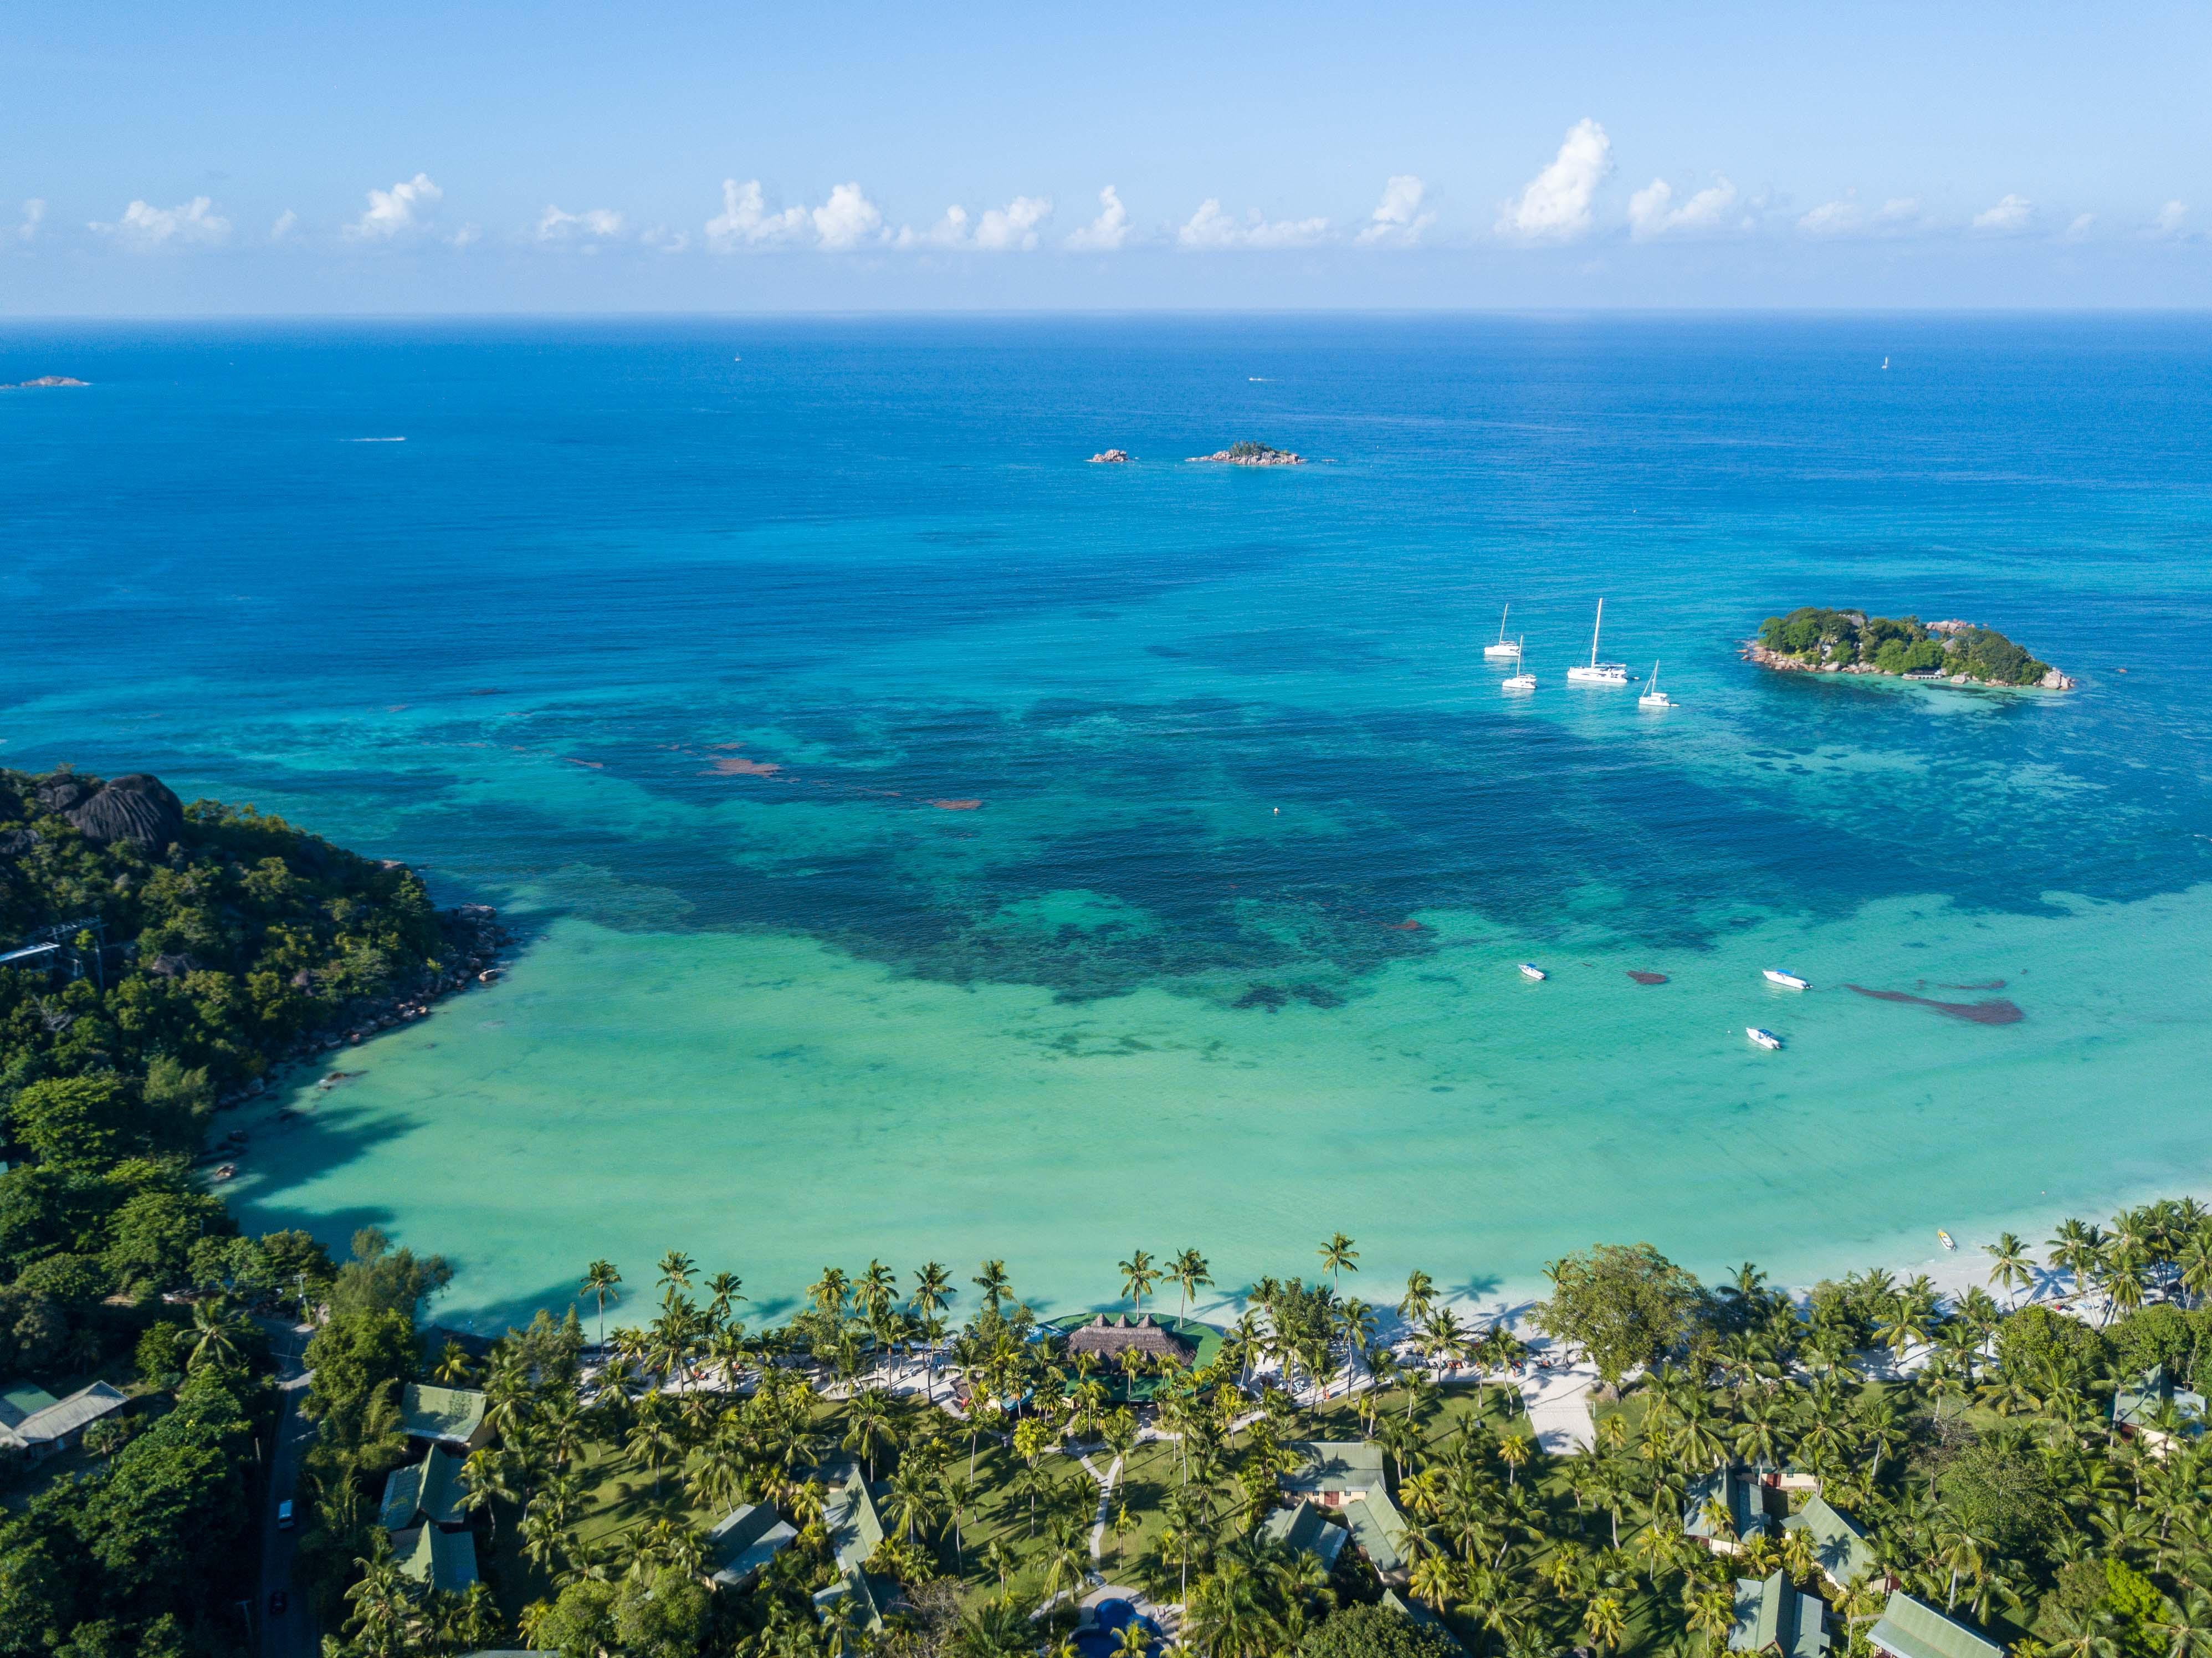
{"x":228,"y":159}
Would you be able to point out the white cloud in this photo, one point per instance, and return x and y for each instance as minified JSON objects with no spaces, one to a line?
{"x":744,"y":223}
{"x":1013,"y":226}
{"x":847,"y":219}
{"x":664,"y":239}
{"x":287,"y":223}
{"x":2008,"y":218}
{"x":2079,"y":230}
{"x":196,"y":223}
{"x":1105,"y":233}
{"x":1556,"y":204}
{"x":592,"y":224}
{"x":950,"y":231}
{"x":1652,"y":212}
{"x":1848,"y":217}
{"x":1210,"y":228}
{"x":2170,"y":219}
{"x":467,"y":235}
{"x":34,"y":212}
{"x":1397,"y":220}
{"x":406,"y":207}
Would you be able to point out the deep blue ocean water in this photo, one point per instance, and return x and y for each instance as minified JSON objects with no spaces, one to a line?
{"x":1229,"y":729}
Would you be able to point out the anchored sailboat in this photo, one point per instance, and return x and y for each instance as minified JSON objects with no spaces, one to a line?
{"x":1523,"y":681}
{"x":1598,"y":673}
{"x":1504,"y":650}
{"x":1653,"y":697}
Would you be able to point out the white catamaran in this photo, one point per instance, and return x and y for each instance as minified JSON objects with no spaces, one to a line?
{"x":1653,"y":697}
{"x":1505,"y":650}
{"x":1598,"y":673}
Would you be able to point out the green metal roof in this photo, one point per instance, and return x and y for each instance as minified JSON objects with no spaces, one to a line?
{"x":1376,"y":1526}
{"x":1838,"y":1544}
{"x":446,"y":1561}
{"x":1772,"y":1615}
{"x":744,"y":1541}
{"x":1335,"y":1467}
{"x":849,"y":1513}
{"x":450,"y":1415}
{"x":1736,"y":1490}
{"x":2138,"y":1406}
{"x":429,"y":1490}
{"x":1909,"y":1629}
{"x":1302,"y":1530}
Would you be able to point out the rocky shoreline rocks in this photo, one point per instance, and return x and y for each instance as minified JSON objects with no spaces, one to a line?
{"x":1249,"y":454}
{"x":42,"y":382}
{"x":1110,"y":457}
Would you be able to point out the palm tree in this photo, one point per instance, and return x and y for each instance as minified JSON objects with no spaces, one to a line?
{"x":723,"y":1295}
{"x":488,"y":1476}
{"x":915,"y":1500}
{"x":1712,"y":1609}
{"x":1513,"y":1451}
{"x":217,"y":1329}
{"x":869,"y":1420}
{"x":600,"y":1280}
{"x":828,"y":1293}
{"x":1138,"y":1275}
{"x":2015,"y":1271}
{"x":1605,"y":1621}
{"x":676,"y":1270}
{"x":453,"y":1367}
{"x":992,"y":1280}
{"x":1339,"y":1256}
{"x":651,"y":1442}
{"x":1190,"y":1270}
{"x":1067,"y":1556}
{"x":1419,"y":1299}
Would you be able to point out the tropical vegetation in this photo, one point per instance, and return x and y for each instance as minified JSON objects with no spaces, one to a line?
{"x":1819,"y":638}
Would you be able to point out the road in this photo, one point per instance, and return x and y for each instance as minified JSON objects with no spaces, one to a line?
{"x":292,"y":1633}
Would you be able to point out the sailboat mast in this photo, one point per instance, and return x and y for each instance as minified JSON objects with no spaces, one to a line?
{"x":1595,"y":625}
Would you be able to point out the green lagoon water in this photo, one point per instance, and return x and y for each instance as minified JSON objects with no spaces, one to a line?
{"x":928,"y":845}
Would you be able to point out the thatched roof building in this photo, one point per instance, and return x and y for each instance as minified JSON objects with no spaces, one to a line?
{"x":1109,"y":1339}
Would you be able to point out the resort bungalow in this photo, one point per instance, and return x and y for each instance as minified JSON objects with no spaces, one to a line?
{"x":442,"y":1560}
{"x":451,"y":1417}
{"x":742,"y":1542}
{"x":1346,"y":1475}
{"x":1839,"y":1543}
{"x":425,"y":1493}
{"x":1772,"y":1615}
{"x":1733,"y":1492}
{"x":856,"y":1530}
{"x":1334,"y":1473}
{"x":1911,"y":1629}
{"x":1303,"y":1529}
{"x":33,"y":1421}
{"x":2145,"y":1410}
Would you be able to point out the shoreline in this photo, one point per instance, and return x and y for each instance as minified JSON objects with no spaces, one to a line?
{"x":1750,"y":650}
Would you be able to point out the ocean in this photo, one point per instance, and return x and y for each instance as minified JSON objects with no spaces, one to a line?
{"x":930,"y":845}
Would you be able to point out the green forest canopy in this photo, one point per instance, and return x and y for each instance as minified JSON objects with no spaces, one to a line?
{"x":1852,"y":638}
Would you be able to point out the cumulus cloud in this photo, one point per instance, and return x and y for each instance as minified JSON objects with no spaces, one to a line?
{"x":1013,"y":226}
{"x":34,"y":213}
{"x":467,"y":235}
{"x":286,"y":223}
{"x":1652,"y":211}
{"x":592,"y":224}
{"x":194,"y":224}
{"x":1556,"y":204}
{"x":847,"y":219}
{"x":1848,"y":216}
{"x":2169,"y":221}
{"x":1210,"y":229}
{"x":2008,"y":218}
{"x":1397,"y":220}
{"x":744,"y":222}
{"x":1106,"y":233}
{"x":2079,"y":230}
{"x":950,"y":231}
{"x":407,"y":207}
{"x":662,"y":239}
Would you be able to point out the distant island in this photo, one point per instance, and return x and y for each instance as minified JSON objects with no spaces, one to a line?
{"x":1815,"y":641}
{"x":1110,"y":457}
{"x":42,"y":380}
{"x":1251,"y":454}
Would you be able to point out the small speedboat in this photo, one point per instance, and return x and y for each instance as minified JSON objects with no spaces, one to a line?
{"x":1766,"y":1039}
{"x":1530,"y":971}
{"x":1775,"y":975}
{"x":1944,"y":1238}
{"x":226,"y":1171}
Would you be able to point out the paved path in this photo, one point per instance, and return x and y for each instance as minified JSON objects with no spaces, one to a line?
{"x":1558,"y":1407}
{"x":1106,"y":1483}
{"x":292,"y":1633}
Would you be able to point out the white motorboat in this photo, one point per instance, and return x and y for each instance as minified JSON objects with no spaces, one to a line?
{"x":1523,"y":681}
{"x":1775,"y":975}
{"x":1597,"y":672}
{"x":1653,"y":697}
{"x":1530,"y":971}
{"x":1766,"y":1039}
{"x":1504,"y":650}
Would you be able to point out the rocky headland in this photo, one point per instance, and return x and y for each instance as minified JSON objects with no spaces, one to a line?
{"x":1250,"y":454}
{"x":42,"y":382}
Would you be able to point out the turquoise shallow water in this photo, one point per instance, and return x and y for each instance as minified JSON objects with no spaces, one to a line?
{"x":691,"y":665}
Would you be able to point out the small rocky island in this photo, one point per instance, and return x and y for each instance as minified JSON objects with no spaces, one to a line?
{"x":42,"y":380}
{"x":1251,"y":454}
{"x":1110,"y":457}
{"x":1811,"y":640}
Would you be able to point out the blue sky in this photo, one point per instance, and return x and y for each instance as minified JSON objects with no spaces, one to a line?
{"x":229,"y":158}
